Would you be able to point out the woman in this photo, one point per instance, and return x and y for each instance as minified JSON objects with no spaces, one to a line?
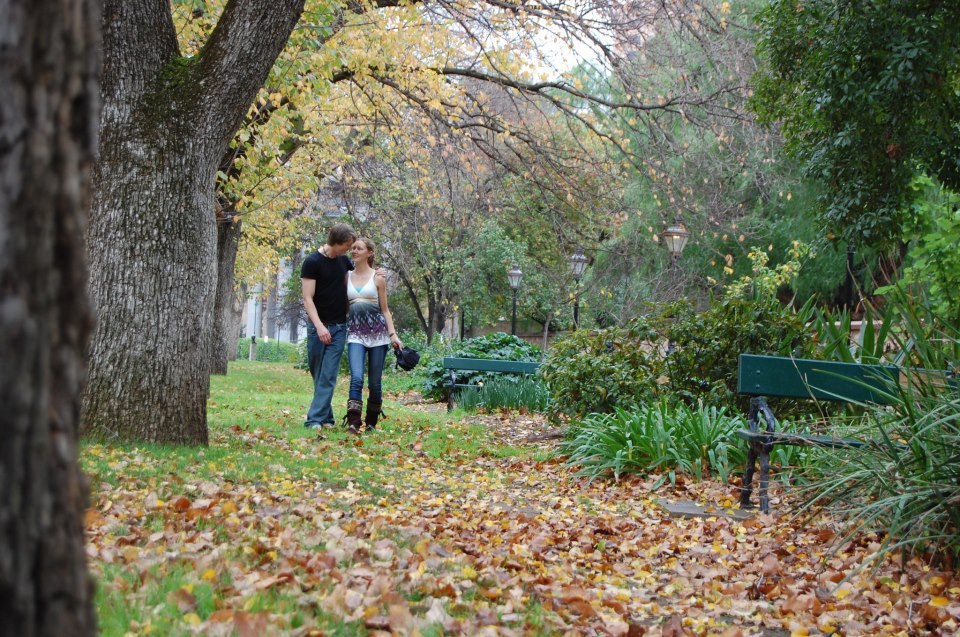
{"x":369,"y":333}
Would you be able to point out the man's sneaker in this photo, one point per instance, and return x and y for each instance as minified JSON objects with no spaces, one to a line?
{"x":315,"y":426}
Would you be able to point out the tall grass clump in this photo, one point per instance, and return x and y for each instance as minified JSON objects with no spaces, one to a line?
{"x":657,"y":436}
{"x":269,"y":351}
{"x":523,"y":393}
{"x":906,"y":483}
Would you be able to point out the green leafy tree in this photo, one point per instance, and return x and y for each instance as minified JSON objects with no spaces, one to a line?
{"x":868,"y":94}
{"x":934,"y":261}
{"x":709,"y":163}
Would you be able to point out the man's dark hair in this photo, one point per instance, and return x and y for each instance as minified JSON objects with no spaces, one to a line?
{"x":341,"y":233}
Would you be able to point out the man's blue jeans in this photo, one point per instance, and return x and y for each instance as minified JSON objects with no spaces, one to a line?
{"x":357,"y":355}
{"x":324,"y":363}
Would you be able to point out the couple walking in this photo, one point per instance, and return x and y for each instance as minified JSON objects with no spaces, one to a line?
{"x":346,"y":304}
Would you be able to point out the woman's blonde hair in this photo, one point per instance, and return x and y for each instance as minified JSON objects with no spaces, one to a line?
{"x":371,"y":246}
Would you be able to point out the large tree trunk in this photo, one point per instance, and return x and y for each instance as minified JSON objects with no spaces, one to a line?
{"x":48,"y":119}
{"x":226,"y":317}
{"x":150,"y":354}
{"x":166,"y":123}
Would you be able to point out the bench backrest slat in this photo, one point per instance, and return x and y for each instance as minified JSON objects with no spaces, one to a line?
{"x":487,"y":365}
{"x":822,"y":380}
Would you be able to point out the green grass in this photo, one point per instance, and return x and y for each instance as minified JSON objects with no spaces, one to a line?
{"x":258,"y":444}
{"x":256,"y":416}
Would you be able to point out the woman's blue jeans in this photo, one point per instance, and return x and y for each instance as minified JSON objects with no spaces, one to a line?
{"x":374,"y":357}
{"x":324,"y":363}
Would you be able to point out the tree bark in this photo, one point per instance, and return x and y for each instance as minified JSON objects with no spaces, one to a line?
{"x":271,"y":309}
{"x":166,"y":124}
{"x":236,"y":317}
{"x":293,"y":314}
{"x":545,"y":339}
{"x":48,"y":116}
{"x":412,"y":295}
{"x":226,"y":319}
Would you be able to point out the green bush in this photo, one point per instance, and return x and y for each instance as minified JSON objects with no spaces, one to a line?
{"x":703,"y":363}
{"x":506,"y":392}
{"x":656,"y":436}
{"x":272,"y":351}
{"x":598,"y":371}
{"x":496,"y":346}
{"x":302,"y":362}
{"x":595,"y":372}
{"x":416,"y":339}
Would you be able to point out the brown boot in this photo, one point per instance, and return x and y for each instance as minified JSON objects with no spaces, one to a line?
{"x":354,"y":407}
{"x":374,"y":411}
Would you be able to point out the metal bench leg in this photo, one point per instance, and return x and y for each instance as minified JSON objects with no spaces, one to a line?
{"x":764,"y":479}
{"x":762,"y":409}
{"x":450,"y":390}
{"x":753,"y":451}
{"x":747,"y":487}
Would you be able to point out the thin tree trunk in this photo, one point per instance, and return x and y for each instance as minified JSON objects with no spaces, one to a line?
{"x":236,"y":321}
{"x":294,"y":313}
{"x":48,"y":117}
{"x":270,"y":313}
{"x":439,"y":316}
{"x":412,"y":295}
{"x":166,"y":123}
{"x":225,"y":321}
{"x":545,"y":342}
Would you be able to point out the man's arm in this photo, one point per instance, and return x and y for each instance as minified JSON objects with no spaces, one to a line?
{"x":308,"y":287}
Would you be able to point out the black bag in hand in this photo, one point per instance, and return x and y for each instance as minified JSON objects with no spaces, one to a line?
{"x":407,"y":357}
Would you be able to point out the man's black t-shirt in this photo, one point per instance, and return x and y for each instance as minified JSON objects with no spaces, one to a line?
{"x":330,"y":295}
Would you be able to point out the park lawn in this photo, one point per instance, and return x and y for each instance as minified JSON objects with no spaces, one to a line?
{"x":147,"y":499}
{"x":435,"y":525}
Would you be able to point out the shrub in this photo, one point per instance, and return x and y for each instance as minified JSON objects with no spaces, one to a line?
{"x":871,"y":346}
{"x":703,"y":363}
{"x":506,"y":392}
{"x":674,"y":351}
{"x":436,"y":350}
{"x":496,"y":346}
{"x":272,"y":351}
{"x":656,"y":436}
{"x":596,"y":372}
{"x":590,"y":372}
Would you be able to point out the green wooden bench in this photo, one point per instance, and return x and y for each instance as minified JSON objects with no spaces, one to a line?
{"x":454,"y":365}
{"x":765,"y":377}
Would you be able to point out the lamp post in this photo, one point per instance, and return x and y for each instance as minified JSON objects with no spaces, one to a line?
{"x":578,"y":264}
{"x":514,"y":276}
{"x":675,"y":236}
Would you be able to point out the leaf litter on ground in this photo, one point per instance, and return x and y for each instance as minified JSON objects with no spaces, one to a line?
{"x":405,"y":534}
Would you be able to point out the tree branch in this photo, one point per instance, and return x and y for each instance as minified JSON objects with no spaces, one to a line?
{"x":137,"y":43}
{"x":237,"y":59}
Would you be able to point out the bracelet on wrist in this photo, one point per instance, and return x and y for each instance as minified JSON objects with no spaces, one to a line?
{"x":392,"y":334}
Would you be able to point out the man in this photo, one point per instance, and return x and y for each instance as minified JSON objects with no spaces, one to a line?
{"x":323,"y":278}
